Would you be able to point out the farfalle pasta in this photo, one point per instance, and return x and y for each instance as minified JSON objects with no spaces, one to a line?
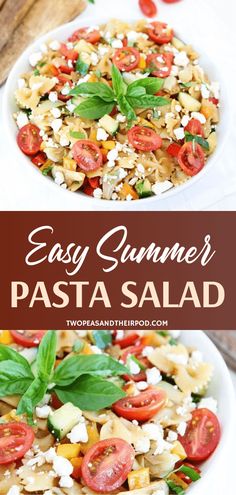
{"x":125,"y":106}
{"x":87,"y":412}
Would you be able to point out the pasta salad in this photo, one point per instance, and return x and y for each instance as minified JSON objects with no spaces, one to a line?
{"x":119,"y":111}
{"x":87,"y":412}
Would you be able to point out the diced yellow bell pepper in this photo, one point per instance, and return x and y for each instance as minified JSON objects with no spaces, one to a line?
{"x":93,"y":438}
{"x":93,"y":78}
{"x":68,"y":450}
{"x":93,"y":135}
{"x":179,"y":450}
{"x":87,"y":349}
{"x":5,"y":337}
{"x":126,"y":190}
{"x":69,"y":164}
{"x":139,"y":479}
{"x":178,"y":481}
{"x":142,"y":63}
{"x":108,"y":145}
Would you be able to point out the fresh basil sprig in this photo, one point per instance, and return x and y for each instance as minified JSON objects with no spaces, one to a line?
{"x":78,"y":379}
{"x":101,"y":99}
{"x":102,"y":338}
{"x":197,"y":139}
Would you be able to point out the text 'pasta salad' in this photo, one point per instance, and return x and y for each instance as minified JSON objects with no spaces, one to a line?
{"x":119,"y":111}
{"x":88,"y":412}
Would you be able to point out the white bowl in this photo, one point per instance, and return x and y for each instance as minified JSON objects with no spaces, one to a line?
{"x":213,"y":64}
{"x":221,"y":388}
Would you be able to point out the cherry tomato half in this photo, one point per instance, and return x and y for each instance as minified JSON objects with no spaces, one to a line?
{"x":87,"y":154}
{"x":141,"y":407}
{"x":160,"y":33}
{"x":160,"y":64}
{"x":191,"y":158}
{"x":195,"y":127}
{"x":126,"y":59}
{"x":144,"y":138}
{"x":107,"y":464}
{"x":39,"y":159}
{"x":15,"y":440}
{"x":28,"y":338}
{"x":148,"y":8}
{"x":126,"y":341}
{"x":174,"y":149}
{"x":69,"y":53}
{"x":170,"y":1}
{"x":136,"y":351}
{"x":202,"y":435}
{"x":29,"y":139}
{"x":85,"y":34}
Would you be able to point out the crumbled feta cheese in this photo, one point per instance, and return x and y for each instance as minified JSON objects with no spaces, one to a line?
{"x":56,"y":124}
{"x":58,"y":178}
{"x":102,"y":50}
{"x":153,"y":431}
{"x":53,"y":96}
{"x":140,"y":168}
{"x":133,"y":36}
{"x":187,"y":407}
{"x":94,"y":58}
{"x":208,"y":403}
{"x":64,"y":141}
{"x":34,"y":58}
{"x":97,"y":193}
{"x":153,"y":376}
{"x":205,"y":91}
{"x":174,"y":70}
{"x":116,"y":43}
{"x":134,"y":367}
{"x":120,"y":117}
{"x":45,"y":401}
{"x":178,"y":358}
{"x":94,"y":348}
{"x":130,"y":77}
{"x":181,"y":429}
{"x":175,"y":333}
{"x":21,"y":83}
{"x":22,"y":119}
{"x":43,"y":412}
{"x":120,"y":36}
{"x":102,"y":134}
{"x":169,"y":115}
{"x":142,"y":445}
{"x":55,"y":45}
{"x":66,"y":482}
{"x":107,"y":36}
{"x":50,"y":455}
{"x":83,"y":79}
{"x":62,"y":466}
{"x":172,"y":436}
{"x":179,"y":133}
{"x":199,"y":116}
{"x":178,"y":108}
{"x":14,"y":490}
{"x":181,"y":59}
{"x":185,"y":120}
{"x":147,"y":350}
{"x":141,"y":385}
{"x":129,"y":197}
{"x":215,"y":89}
{"x":56,"y":112}
{"x":161,"y":187}
{"x":120,"y":334}
{"x":65,"y":91}
{"x":78,"y":433}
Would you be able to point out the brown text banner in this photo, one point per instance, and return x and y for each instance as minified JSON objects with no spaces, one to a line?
{"x":117,"y":270}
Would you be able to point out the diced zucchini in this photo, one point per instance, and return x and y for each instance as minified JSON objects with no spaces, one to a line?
{"x":109,"y":124}
{"x":61,"y":421}
{"x":143,"y":188}
{"x":189,"y":103}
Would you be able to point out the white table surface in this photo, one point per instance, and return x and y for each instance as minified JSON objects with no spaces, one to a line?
{"x":20,"y":189}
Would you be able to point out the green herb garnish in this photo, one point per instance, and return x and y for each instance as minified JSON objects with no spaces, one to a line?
{"x":163,"y":333}
{"x":175,"y":488}
{"x":47,"y":170}
{"x":36,"y":72}
{"x":101,"y":99}
{"x":79,"y":379}
{"x":78,"y":346}
{"x":197,"y":139}
{"x":82,"y":67}
{"x":190,"y":472}
{"x":137,"y":361}
{"x":102,"y":338}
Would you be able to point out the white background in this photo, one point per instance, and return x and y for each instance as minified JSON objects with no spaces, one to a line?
{"x":22,"y":189}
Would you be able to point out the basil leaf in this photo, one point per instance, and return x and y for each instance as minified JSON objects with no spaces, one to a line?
{"x":198,"y":139}
{"x":95,"y":364}
{"x":136,"y":92}
{"x":175,"y":488}
{"x":190,"y":472}
{"x":148,"y":101}
{"x":46,"y":355}
{"x":77,"y":135}
{"x":90,"y":393}
{"x":118,"y":83}
{"x":127,"y":109}
{"x":102,"y":338}
{"x":172,"y":341}
{"x":9,"y":354}
{"x":34,"y":394}
{"x":15,"y":378}
{"x":94,"y":108}
{"x":95,"y":89}
{"x":78,"y":346}
{"x":82,"y":67}
{"x":151,"y":84}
